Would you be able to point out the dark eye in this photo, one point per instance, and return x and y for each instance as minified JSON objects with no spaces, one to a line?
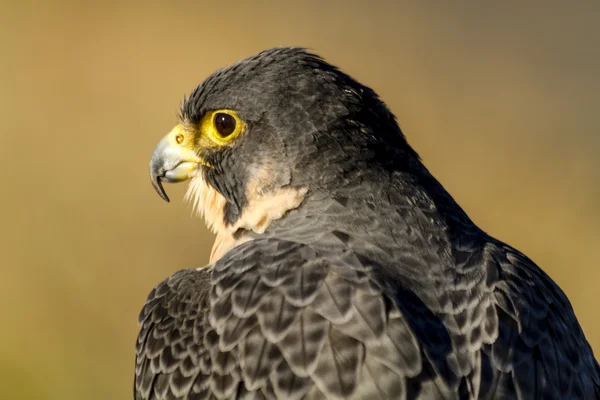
{"x":225,"y":124}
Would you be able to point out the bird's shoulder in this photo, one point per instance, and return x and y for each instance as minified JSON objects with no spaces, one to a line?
{"x":281,"y":319}
{"x":277,"y":319}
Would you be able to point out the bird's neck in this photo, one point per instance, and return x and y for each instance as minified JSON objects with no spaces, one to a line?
{"x":389,"y":216}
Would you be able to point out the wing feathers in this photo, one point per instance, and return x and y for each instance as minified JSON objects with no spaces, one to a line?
{"x":276,"y":319}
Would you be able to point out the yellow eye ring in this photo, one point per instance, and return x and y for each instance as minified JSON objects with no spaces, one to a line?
{"x":221,"y":126}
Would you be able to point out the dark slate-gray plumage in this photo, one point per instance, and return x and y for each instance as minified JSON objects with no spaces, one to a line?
{"x":378,"y":286}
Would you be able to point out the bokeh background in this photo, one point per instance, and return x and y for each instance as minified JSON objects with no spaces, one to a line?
{"x":502,"y":100}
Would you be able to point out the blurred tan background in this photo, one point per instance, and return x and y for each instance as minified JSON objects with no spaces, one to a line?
{"x":502,"y":101}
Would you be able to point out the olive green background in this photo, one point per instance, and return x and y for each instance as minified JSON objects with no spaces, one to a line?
{"x":501,"y":99}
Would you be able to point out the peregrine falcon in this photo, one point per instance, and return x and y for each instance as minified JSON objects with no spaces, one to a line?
{"x":342,"y":269}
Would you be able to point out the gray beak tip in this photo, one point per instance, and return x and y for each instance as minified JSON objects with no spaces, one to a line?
{"x":157,"y":185}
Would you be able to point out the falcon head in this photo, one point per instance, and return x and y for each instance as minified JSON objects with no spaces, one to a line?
{"x":258,"y":137}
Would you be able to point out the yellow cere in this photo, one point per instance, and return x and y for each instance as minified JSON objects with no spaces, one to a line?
{"x":182,"y":136}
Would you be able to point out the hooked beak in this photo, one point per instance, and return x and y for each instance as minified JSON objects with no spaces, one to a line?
{"x":172,"y":161}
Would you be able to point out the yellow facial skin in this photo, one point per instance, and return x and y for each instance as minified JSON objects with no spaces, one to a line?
{"x":176,"y":159}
